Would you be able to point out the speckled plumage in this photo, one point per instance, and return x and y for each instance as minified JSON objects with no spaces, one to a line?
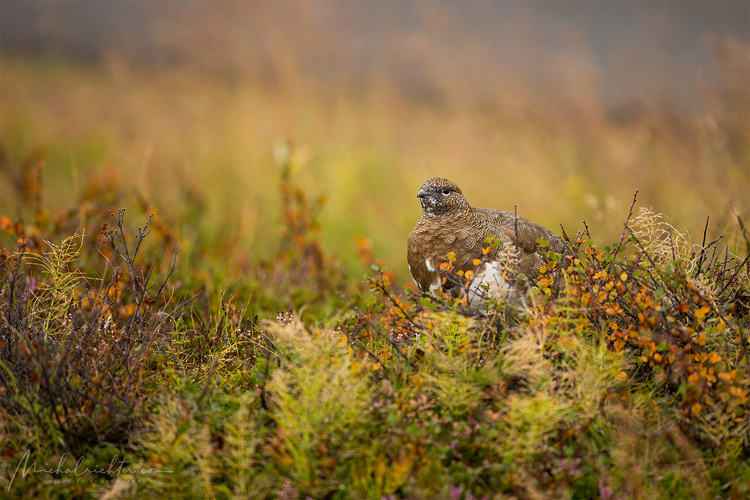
{"x":449,"y":224}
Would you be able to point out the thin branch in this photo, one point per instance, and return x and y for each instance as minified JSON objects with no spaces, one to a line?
{"x":384,"y":290}
{"x":568,"y":243}
{"x":377,"y":330}
{"x":734,"y":276}
{"x":624,"y":228}
{"x":703,"y":249}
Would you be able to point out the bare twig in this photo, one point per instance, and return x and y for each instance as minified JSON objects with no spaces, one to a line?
{"x":379,"y":285}
{"x":734,"y":276}
{"x":624,"y":228}
{"x":703,"y":249}
{"x":387,"y":338}
{"x":569,"y":245}
{"x":653,"y":264}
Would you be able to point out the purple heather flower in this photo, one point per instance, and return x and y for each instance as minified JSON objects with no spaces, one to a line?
{"x":455,"y":492}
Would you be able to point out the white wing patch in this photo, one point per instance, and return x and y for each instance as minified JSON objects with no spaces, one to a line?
{"x":438,"y":283}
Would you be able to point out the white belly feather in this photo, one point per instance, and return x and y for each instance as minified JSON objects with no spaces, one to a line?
{"x":490,"y":283}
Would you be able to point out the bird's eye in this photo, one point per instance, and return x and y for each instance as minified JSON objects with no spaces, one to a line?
{"x":446,"y":191}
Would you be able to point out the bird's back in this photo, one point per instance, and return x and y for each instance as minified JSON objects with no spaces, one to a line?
{"x":504,"y":225}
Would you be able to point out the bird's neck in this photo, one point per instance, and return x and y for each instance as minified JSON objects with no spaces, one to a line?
{"x":467,"y":216}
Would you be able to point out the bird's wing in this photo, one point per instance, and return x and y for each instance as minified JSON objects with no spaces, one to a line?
{"x":506,"y":226}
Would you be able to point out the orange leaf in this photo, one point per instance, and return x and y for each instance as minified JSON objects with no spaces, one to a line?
{"x":6,"y":224}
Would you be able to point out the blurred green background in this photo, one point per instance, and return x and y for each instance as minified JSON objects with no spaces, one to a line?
{"x":562,"y":109}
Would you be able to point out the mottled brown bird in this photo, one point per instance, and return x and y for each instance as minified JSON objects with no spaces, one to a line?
{"x":449,"y":224}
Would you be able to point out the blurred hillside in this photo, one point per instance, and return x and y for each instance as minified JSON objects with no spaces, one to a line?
{"x":639,"y":52}
{"x":561,"y":108}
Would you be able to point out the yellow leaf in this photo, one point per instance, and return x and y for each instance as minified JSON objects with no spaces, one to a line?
{"x":725,"y":377}
{"x":621,"y":376}
{"x":701,"y":313}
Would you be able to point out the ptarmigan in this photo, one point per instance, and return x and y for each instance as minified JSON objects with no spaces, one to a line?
{"x":449,"y":224}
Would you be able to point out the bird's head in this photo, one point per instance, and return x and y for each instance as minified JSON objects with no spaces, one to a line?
{"x":440,"y":196}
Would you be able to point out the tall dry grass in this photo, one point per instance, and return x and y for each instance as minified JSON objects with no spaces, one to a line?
{"x":198,"y":146}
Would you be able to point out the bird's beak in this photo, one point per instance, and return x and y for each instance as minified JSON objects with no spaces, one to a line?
{"x":421,"y":193}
